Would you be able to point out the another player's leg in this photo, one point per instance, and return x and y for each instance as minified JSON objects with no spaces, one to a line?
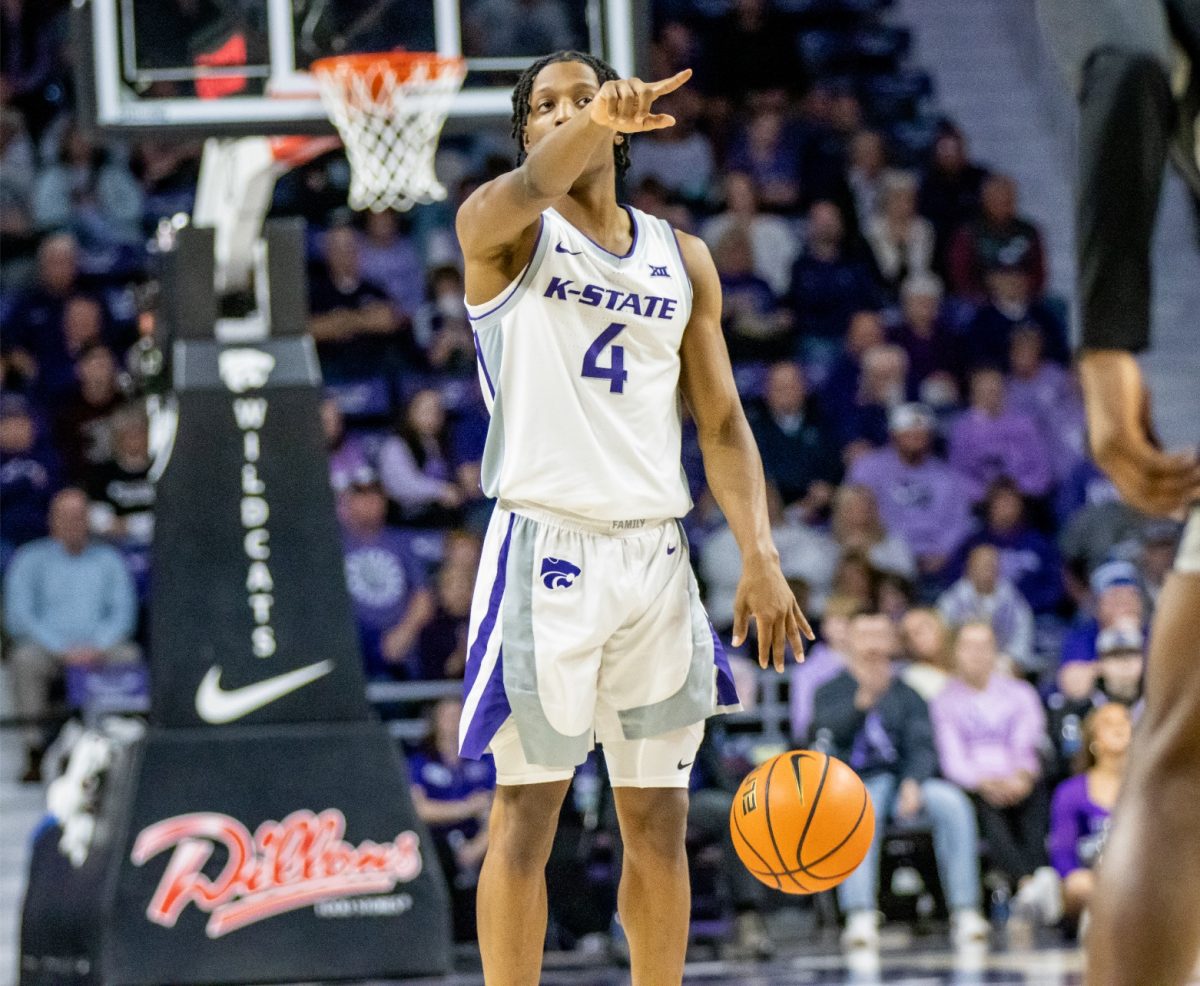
{"x":1144,"y":926}
{"x":654,"y":898}
{"x":512,"y":884}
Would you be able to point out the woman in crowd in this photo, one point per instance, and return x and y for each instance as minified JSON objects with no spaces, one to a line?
{"x":453,"y":797}
{"x":1080,"y":810}
{"x":925,"y":639}
{"x":415,"y":464}
{"x":990,"y":728}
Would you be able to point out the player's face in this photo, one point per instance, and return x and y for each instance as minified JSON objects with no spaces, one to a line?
{"x":560,"y":91}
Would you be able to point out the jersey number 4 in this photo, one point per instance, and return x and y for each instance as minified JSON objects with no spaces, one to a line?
{"x":614,"y":373}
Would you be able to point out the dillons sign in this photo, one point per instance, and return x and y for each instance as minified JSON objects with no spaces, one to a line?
{"x":298,"y":862}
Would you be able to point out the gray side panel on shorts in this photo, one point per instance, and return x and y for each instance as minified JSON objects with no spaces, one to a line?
{"x":542,"y":744}
{"x":695,"y":701}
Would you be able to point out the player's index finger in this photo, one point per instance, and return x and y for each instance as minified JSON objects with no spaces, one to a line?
{"x":664,"y":86}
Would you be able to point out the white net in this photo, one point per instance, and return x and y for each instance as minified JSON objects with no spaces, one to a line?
{"x":389,"y":110}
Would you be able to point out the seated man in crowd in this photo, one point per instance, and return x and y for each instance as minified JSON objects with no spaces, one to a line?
{"x":935,"y":361}
{"x":983,"y":594}
{"x":920,"y":497}
{"x":871,"y":720}
{"x":990,"y":441}
{"x":828,"y":283}
{"x":387,"y":585}
{"x":989,"y":728}
{"x":29,"y":475}
{"x":796,"y":444}
{"x":998,"y":234}
{"x":1011,"y":304}
{"x":68,"y":602}
{"x":354,"y":323}
{"x":1116,"y":676}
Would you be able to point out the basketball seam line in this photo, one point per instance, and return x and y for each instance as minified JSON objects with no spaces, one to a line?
{"x":849,"y":835}
{"x":749,"y":845}
{"x":771,"y":831}
{"x":812,"y":810}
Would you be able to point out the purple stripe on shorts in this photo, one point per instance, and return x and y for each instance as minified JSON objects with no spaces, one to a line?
{"x":488,"y":623}
{"x":726,"y":690}
{"x":490,"y":713}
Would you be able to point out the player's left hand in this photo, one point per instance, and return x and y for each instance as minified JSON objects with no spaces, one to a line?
{"x":763,"y":593}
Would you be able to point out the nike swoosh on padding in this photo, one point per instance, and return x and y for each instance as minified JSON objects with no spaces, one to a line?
{"x":218,"y":707}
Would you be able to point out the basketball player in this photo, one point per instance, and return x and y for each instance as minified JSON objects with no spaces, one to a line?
{"x":592,"y":322}
{"x":1136,"y":68}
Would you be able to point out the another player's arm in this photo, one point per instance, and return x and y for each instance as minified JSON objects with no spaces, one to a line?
{"x":1121,"y":435}
{"x":498,"y":218}
{"x":734,"y":469}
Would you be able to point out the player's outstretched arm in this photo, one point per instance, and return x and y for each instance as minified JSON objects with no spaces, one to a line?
{"x":734,"y":469}
{"x":496,"y":214}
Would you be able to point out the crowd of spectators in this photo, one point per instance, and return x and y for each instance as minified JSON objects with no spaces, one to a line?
{"x":903,"y":365}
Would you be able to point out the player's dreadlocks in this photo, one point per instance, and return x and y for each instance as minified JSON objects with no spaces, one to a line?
{"x":520,"y":98}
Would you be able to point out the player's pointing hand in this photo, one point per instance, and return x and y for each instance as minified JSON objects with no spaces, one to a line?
{"x":625,"y":104}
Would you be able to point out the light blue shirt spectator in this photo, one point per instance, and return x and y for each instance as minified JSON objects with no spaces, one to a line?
{"x":61,"y":600}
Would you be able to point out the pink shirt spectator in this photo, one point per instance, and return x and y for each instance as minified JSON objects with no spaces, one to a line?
{"x":990,"y":733}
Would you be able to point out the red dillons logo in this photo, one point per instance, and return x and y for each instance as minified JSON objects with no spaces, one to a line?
{"x":282,"y":867}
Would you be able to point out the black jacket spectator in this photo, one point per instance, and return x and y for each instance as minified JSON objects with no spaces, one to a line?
{"x":829,"y":284}
{"x":796,"y":445}
{"x":895,"y":737}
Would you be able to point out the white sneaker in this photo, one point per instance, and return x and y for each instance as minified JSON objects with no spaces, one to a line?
{"x":969,"y":929}
{"x":1042,"y":896}
{"x":862,"y":931}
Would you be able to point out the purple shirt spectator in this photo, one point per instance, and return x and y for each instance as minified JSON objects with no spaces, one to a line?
{"x":392,"y":261}
{"x":1078,"y":827}
{"x":989,"y":442}
{"x":990,"y":733}
{"x":382,"y":576}
{"x":926,"y":503}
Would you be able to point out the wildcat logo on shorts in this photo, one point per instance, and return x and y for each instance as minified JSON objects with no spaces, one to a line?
{"x":558,"y":574}
{"x":244,"y":369}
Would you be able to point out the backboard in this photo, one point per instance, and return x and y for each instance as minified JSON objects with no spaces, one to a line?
{"x":230,"y":67}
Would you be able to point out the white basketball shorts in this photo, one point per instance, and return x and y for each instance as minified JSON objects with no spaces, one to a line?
{"x":588,"y":631}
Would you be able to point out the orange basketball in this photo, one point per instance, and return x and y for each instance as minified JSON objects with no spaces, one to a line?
{"x":802,"y":822}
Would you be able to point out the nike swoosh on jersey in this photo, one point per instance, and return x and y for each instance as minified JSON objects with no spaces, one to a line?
{"x":681,"y":765}
{"x":217,"y":706}
{"x":671,"y":550}
{"x":559,"y":248}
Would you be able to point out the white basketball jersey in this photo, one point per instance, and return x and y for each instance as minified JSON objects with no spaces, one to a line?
{"x":579,"y":365}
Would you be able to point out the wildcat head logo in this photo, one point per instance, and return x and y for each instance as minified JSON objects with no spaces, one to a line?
{"x":244,"y":369}
{"x":558,"y":574}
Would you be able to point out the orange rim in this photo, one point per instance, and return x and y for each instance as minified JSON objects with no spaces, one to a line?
{"x":402,"y":63}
